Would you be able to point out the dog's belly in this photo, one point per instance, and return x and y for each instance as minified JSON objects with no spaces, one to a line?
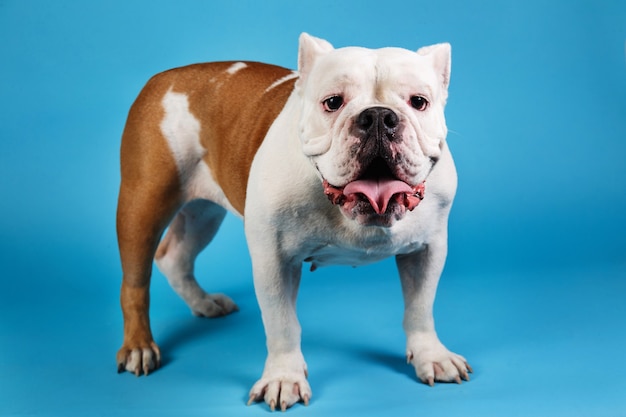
{"x":331,"y":256}
{"x":342,"y":254}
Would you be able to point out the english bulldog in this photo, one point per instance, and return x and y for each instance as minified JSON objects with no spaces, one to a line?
{"x":343,"y":161}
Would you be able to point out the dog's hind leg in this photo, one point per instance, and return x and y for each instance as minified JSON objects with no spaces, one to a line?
{"x":192,"y":230}
{"x":144,"y":210}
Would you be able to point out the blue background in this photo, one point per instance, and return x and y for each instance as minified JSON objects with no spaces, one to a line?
{"x":534,"y":292}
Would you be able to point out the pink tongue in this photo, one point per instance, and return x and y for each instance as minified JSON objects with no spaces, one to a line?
{"x":377,"y":191}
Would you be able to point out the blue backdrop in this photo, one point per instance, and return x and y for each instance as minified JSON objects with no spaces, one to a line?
{"x":534,"y":293}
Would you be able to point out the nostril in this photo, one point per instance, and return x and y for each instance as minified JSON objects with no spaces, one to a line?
{"x":365,"y":120}
{"x":391,"y":120}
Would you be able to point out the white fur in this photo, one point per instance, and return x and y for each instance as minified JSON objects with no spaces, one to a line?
{"x":289,"y":222}
{"x":191,"y":230}
{"x":237,"y":66}
{"x":396,"y":76}
{"x":181,"y":129}
{"x":282,"y":80}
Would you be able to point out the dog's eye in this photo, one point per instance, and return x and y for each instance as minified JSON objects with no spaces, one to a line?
{"x":419,"y":103}
{"x":332,"y":104}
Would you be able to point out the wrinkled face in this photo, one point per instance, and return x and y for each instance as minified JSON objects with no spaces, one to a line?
{"x":373,"y":126}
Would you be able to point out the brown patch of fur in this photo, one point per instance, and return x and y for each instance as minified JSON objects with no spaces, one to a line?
{"x":235,"y":112}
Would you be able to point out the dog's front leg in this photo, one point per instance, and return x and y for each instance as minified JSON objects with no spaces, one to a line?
{"x":419,"y":273}
{"x":276,"y":281}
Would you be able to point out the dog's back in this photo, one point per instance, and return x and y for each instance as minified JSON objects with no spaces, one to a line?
{"x":179,"y":109}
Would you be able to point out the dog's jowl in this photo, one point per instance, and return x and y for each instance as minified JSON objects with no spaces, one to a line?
{"x":343,"y":161}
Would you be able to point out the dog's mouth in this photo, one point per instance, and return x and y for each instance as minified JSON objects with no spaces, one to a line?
{"x":377,"y":190}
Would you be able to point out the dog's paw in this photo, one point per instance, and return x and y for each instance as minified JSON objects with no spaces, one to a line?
{"x":434,"y":362}
{"x":281,"y":388}
{"x":213,"y":305}
{"x":281,"y":391}
{"x":138,"y":359}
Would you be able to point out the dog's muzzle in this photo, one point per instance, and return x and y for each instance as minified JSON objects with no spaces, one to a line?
{"x":378,"y":127}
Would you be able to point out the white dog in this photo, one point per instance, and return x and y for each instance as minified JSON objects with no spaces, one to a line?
{"x":342,"y":162}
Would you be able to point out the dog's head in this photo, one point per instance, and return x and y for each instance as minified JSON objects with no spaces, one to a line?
{"x":373,"y":124}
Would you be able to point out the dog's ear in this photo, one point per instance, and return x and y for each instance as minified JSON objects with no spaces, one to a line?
{"x":440,"y":55}
{"x":310,"y":49}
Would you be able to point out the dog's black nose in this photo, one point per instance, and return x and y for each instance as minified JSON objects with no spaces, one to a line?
{"x":378,"y":121}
